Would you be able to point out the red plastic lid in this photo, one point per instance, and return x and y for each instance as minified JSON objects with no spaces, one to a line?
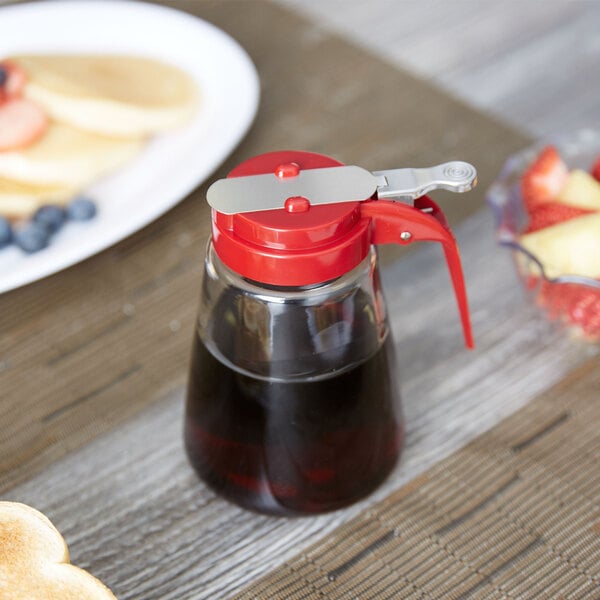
{"x":300,"y":245}
{"x":303,"y":245}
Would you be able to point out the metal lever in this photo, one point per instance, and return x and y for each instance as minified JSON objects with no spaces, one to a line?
{"x":331,"y":185}
{"x":408,"y":184}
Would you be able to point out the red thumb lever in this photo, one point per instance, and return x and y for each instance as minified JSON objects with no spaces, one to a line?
{"x":398,"y":223}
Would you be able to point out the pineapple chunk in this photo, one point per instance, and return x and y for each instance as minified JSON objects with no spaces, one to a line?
{"x":569,"y":248}
{"x":581,"y":190}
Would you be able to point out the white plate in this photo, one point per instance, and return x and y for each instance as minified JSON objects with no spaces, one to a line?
{"x":173,"y":164}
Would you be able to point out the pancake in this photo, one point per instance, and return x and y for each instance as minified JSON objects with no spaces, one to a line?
{"x":121,"y":96}
{"x":19,"y":200}
{"x":67,"y":157}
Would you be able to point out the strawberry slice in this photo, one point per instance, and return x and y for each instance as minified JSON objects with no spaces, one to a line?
{"x":14,"y":80}
{"x":21,"y":123}
{"x":595,"y":170}
{"x":573,"y":304}
{"x":543,"y":180}
{"x":547,"y":214}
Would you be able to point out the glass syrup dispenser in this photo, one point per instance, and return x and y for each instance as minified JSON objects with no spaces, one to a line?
{"x":293,"y":404}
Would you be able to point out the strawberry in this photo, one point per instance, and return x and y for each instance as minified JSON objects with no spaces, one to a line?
{"x":544,"y":179}
{"x":21,"y":123}
{"x":595,"y":170}
{"x":12,"y":80}
{"x":573,"y":304}
{"x":547,"y":214}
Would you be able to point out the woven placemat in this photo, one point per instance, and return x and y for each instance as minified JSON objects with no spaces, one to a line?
{"x":515,"y":514}
{"x":92,"y":346}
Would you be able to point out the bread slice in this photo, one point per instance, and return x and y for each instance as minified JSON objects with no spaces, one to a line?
{"x":121,"y":96}
{"x":66,"y":156}
{"x":19,"y":200}
{"x":34,"y":560}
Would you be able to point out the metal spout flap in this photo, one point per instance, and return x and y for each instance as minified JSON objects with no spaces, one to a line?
{"x":332,"y":185}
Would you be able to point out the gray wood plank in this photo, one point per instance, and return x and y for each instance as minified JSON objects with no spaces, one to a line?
{"x":134,"y":514}
{"x":535,"y":64}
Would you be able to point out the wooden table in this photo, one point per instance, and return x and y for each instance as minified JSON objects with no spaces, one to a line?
{"x":94,"y":359}
{"x":536,"y":67}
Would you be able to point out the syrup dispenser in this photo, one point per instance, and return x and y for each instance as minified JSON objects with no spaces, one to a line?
{"x":293,"y":404}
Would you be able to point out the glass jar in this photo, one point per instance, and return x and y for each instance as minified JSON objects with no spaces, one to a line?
{"x":293,"y":404}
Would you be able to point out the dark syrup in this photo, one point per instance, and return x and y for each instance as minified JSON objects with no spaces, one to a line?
{"x":293,"y":447}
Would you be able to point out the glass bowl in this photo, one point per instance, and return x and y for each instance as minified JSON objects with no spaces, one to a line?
{"x":570,"y":300}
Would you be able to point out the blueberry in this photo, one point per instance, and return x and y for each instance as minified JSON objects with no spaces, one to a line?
{"x":31,"y":237}
{"x":81,"y":209}
{"x":52,"y":217}
{"x":6,"y":233}
{"x":3,"y":75}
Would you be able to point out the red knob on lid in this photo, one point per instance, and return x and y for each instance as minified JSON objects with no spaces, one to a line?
{"x":286,"y":170}
{"x":300,"y":245}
